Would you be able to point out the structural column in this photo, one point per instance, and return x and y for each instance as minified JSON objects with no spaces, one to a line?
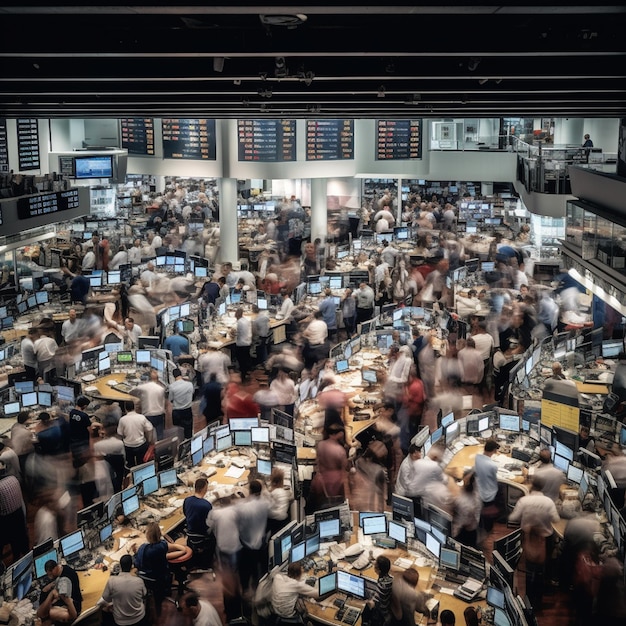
{"x":319,"y":209}
{"x":229,"y":241}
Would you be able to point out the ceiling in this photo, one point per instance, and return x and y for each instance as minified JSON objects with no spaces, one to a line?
{"x":309,"y":60}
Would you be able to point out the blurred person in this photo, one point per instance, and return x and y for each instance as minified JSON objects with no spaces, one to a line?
{"x":200,"y":612}
{"x":252,"y":516}
{"x":45,"y":352}
{"x":406,"y":598}
{"x":377,"y":609}
{"x":11,"y":461}
{"x":486,"y":470}
{"x":70,"y":327}
{"x":348,"y":312}
{"x":315,"y":335}
{"x":285,"y":389}
{"x":176,"y":343}
{"x":13,"y":528}
{"x":214,"y":361}
{"x":398,"y":376}
{"x":222,"y":520}
{"x":237,"y":402}
{"x":280,"y":498}
{"x":551,"y":478}
{"x":536,"y":513}
{"x":412,"y":409}
{"x":364,"y":297}
{"x":406,"y":473}
{"x":327,"y":486}
{"x":466,"y":511}
{"x":27,"y":350}
{"x":46,"y":523}
{"x":262,"y":334}
{"x":427,"y":474}
{"x":471,"y":362}
{"x":329,"y":314}
{"x":242,"y":334}
{"x":22,"y":438}
{"x":373,"y":476}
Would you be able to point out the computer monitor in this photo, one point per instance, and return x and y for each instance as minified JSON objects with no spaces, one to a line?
{"x":124,"y":357}
{"x":208,"y":445}
{"x":196,"y":457}
{"x":450,"y":559}
{"x":495,"y":597}
{"x":342,"y":366}
{"x":243,"y":423}
{"x":438,"y":519}
{"x":327,"y":584}
{"x":612,"y":348}
{"x":242,"y":438}
{"x":12,"y":408}
{"x":143,"y":471}
{"x":402,"y":508}
{"x":106,"y":532}
{"x":260,"y":435}
{"x":264,"y":467}
{"x":446,"y":420}
{"x":574,"y":474}
{"x":92,"y":515}
{"x":148,"y":341}
{"x":561,"y":463}
{"x":329,"y":528}
{"x":72,"y":543}
{"x":510,"y":423}
{"x":433,"y":545}
{"x":397,"y":532}
{"x":143,"y":357}
{"x":374,"y":524}
{"x":24,"y":386}
{"x":452,"y":432}
{"x":130,"y":506}
{"x":350,"y":583}
{"x":297,"y":552}
{"x":42,"y":559}
{"x":436,"y":435}
{"x":29,"y":399}
{"x":22,"y":576}
{"x":150,"y":485}
{"x":168,"y":478}
{"x":564,"y":451}
{"x":568,"y":438}
{"x":369,"y":376}
{"x":223,"y":443}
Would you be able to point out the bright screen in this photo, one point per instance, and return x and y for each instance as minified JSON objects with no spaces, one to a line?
{"x":150,"y":485}
{"x":509,"y":422}
{"x":450,"y":558}
{"x":495,"y":597}
{"x":447,"y":419}
{"x":106,"y":532}
{"x":72,"y":543}
{"x":260,"y":435}
{"x":297,"y":552}
{"x":29,"y":399}
{"x":168,"y":478}
{"x":142,"y":356}
{"x":349,"y":583}
{"x":433,"y":546}
{"x":575,"y":474}
{"x":41,"y":561}
{"x":328,"y":528}
{"x":375,"y":524}
{"x":130,"y":506}
{"x":243,"y":423}
{"x":561,"y":463}
{"x":397,"y":532}
{"x":264,"y":467}
{"x":94,"y":167}
{"x":242,"y":438}
{"x":483,"y":424}
{"x":500,"y":618}
{"x":141,"y":472}
{"x":328,"y":584}
{"x":564,"y":451}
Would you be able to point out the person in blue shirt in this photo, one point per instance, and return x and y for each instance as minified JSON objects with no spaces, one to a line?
{"x":79,"y":287}
{"x":177,"y":344}
{"x":329,"y":314}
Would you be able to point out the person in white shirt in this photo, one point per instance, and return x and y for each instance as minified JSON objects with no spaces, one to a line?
{"x":136,"y":433}
{"x":89,"y":261}
{"x":222,"y":520}
{"x":280,"y":499}
{"x":70,"y":326}
{"x":134,"y":253}
{"x":27,"y":349}
{"x":152,"y":396}
{"x":148,"y":276}
{"x":243,"y":341}
{"x":201,"y":612}
{"x":121,"y":258}
{"x":286,"y":307}
{"x":216,"y":362}
{"x":285,"y":389}
{"x":385,"y":214}
{"x":551,"y":477}
{"x":315,"y":334}
{"x":45,"y":352}
{"x":287,"y":589}
{"x":404,"y":481}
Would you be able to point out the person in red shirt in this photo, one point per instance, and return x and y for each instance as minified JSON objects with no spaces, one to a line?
{"x":410,"y":414}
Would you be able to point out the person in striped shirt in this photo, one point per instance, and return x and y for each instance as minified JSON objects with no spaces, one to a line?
{"x":378,"y":608}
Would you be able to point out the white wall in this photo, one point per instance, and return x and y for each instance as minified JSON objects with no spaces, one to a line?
{"x":604,"y":133}
{"x":475,"y":166}
{"x":569,"y":130}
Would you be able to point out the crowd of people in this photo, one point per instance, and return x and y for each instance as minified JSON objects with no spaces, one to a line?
{"x":74,"y":460}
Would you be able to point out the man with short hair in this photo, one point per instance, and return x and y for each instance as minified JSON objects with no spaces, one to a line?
{"x":69,"y":328}
{"x":61,"y":599}
{"x":252,"y":520}
{"x":486,"y":471}
{"x":287,"y":590}
{"x":180,"y":394}
{"x":124,"y":595}
{"x":364,"y":296}
{"x":447,"y":618}
{"x":176,"y":344}
{"x":329,"y":314}
{"x":196,"y":508}
{"x":152,"y":396}
{"x":378,"y":607}
{"x":12,"y":514}
{"x":202,"y":613}
{"x":243,"y":341}
{"x":136,"y":433}
{"x":551,"y":477}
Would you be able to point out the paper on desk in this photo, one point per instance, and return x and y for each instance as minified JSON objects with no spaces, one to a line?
{"x":447,"y":591}
{"x":235,"y":472}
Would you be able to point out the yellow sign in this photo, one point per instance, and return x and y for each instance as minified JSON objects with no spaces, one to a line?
{"x":558,"y":414}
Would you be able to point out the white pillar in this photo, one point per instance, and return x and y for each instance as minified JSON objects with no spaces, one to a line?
{"x":319,"y":209}
{"x":229,"y":242}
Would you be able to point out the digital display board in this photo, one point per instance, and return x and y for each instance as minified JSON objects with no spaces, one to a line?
{"x":329,"y":140}
{"x":28,"y":144}
{"x":266,"y":140}
{"x":138,"y":135}
{"x":398,"y":139}
{"x":33,"y":206}
{"x":66,"y":165}
{"x":4,"y":147}
{"x":188,"y":139}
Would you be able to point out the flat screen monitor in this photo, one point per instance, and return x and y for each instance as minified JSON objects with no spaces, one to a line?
{"x":500,"y":618}
{"x":450,"y":559}
{"x":243,"y":423}
{"x":42,"y":559}
{"x":24,"y":386}
{"x":208,"y":445}
{"x":130,"y":506}
{"x":622,"y":436}
{"x":196,"y":457}
{"x":41,"y":297}
{"x":201,"y":272}
{"x":114,"y":277}
{"x":104,"y":365}
{"x":452,"y":432}
{"x":106,"y":532}
{"x":128,"y":493}
{"x":168,"y":478}
{"x":397,"y":532}
{"x":564,"y":451}
{"x":147,"y":341}
{"x":510,"y":423}
{"x":143,"y":357}
{"x":260,"y":435}
{"x":95,"y":281}
{"x":488,"y":266}
{"x":264,"y":467}
{"x":545,"y":435}
{"x":72,"y":543}
{"x":327,"y":584}
{"x":433,"y":546}
{"x":336,"y":282}
{"x":436,"y":436}
{"x":495,"y":597}
{"x":196,"y":443}
{"x":124,"y":357}
{"x":113,"y":347}
{"x":350,"y":583}
{"x":297,"y":553}
{"x":11,"y":408}
{"x":29,"y":399}
{"x":94,"y":167}
{"x":22,"y":576}
{"x":446,"y":420}
{"x":143,"y":471}
{"x":402,"y":508}
{"x":369,"y":376}
{"x":329,"y":528}
{"x":242,"y":438}
{"x":342,"y":366}
{"x":561,"y":463}
{"x":574,"y":474}
{"x":150,"y":485}
{"x":374,"y":525}
{"x":611,"y":349}
{"x":223,"y":443}
{"x":568,"y":438}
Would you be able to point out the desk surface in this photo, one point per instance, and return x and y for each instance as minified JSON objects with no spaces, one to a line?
{"x":105,"y":391}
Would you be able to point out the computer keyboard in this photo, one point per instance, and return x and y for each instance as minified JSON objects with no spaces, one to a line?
{"x":455,"y":578}
{"x":347,"y":615}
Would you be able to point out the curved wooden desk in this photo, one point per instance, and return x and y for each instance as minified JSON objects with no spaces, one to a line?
{"x":104,"y":391}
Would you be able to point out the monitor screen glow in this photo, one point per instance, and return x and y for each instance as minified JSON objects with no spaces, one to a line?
{"x":433,"y":546}
{"x":130,"y":506}
{"x":168,"y":478}
{"x":349,"y":583}
{"x":397,"y":531}
{"x":72,"y":543}
{"x":329,"y":528}
{"x":510,"y":423}
{"x":374,"y":524}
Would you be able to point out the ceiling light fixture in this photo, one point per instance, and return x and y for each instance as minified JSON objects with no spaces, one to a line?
{"x":381,"y":91}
